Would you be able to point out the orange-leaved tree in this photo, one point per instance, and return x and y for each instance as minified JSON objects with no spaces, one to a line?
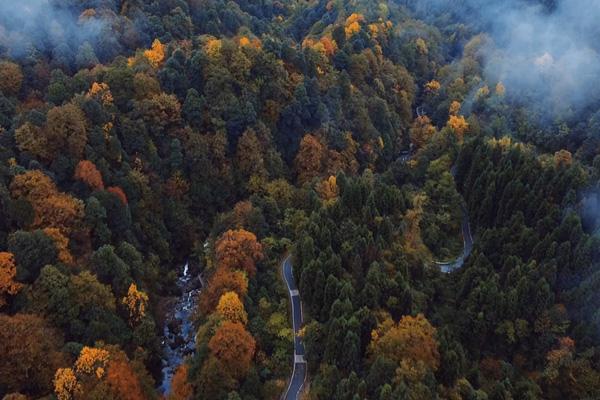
{"x":222,"y":281}
{"x":310,"y":160}
{"x":87,"y":172}
{"x":117,"y":191}
{"x":8,"y":271}
{"x":233,"y":345}
{"x":238,"y":249}
{"x":122,"y":379}
{"x":31,"y":352}
{"x":181,"y":389}
{"x":52,"y":208}
{"x":61,"y":242}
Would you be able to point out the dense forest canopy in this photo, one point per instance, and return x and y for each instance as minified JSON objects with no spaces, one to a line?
{"x":358,"y":137}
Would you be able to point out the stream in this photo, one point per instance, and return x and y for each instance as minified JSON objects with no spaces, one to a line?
{"x":179,"y":336}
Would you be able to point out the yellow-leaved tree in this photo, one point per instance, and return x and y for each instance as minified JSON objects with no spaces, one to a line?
{"x":136,"y":302}
{"x":231,"y":308}
{"x":410,"y":343}
{"x":156,"y":54}
{"x":66,"y":386}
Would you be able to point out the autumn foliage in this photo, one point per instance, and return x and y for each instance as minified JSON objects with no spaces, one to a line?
{"x":353,"y":24}
{"x":459,"y":125}
{"x":11,"y":78}
{"x":234,"y":347}
{"x":136,"y":302}
{"x":99,"y":373}
{"x":156,"y":54}
{"x":421,"y":131}
{"x":117,"y":191}
{"x":62,"y":244}
{"x":52,"y":208}
{"x":328,"y":189}
{"x":181,"y":389}
{"x":563,"y":158}
{"x":87,"y":172}
{"x":231,"y":308}
{"x":122,"y":380}
{"x":238,"y":249}
{"x":66,"y":386}
{"x":30,"y":349}
{"x":410,"y":343}
{"x":8,"y":271}
{"x":310,"y":159}
{"x":222,"y":281}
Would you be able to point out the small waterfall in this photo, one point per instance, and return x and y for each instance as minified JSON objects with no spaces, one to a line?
{"x":179,"y":336}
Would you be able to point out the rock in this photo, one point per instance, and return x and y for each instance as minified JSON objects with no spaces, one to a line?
{"x":174,"y":326}
{"x":179,"y":341}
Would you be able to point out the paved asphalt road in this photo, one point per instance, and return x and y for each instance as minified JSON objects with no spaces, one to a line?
{"x":299,"y":374}
{"x":450,"y":266}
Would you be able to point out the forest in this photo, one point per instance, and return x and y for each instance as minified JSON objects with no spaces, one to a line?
{"x":146,"y":143}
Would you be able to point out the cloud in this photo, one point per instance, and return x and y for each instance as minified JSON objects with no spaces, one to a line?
{"x":550,"y":56}
{"x":28,"y":26}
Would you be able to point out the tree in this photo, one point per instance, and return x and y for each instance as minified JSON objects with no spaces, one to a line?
{"x":328,"y":190}
{"x":8,"y":271}
{"x":238,"y":249}
{"x":214,"y":381}
{"x":101,"y":93}
{"x":454,"y":108}
{"x":117,"y":191}
{"x":122,"y":379}
{"x":11,"y":78}
{"x":458,"y":125}
{"x":222,"y":281}
{"x":66,"y":386}
{"x":86,"y":57}
{"x":30,"y":350}
{"x":410,"y":343}
{"x":563,"y":158}
{"x":160,"y":112}
{"x":249,"y":158}
{"x":30,"y":138}
{"x":192,"y":108}
{"x":32,"y":251}
{"x":92,"y":360}
{"x":136,"y":302}
{"x":421,"y":131}
{"x":231,"y":308}
{"x":310,"y":159}
{"x":87,"y":172}
{"x":52,"y":208}
{"x":34,"y":186}
{"x":156,"y":54}
{"x":65,"y":130}
{"x":61,"y":242}
{"x":234,"y":347}
{"x":181,"y":389}
{"x":353,"y":24}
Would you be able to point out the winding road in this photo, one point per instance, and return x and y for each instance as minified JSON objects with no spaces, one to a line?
{"x":299,"y":374}
{"x":450,"y":266}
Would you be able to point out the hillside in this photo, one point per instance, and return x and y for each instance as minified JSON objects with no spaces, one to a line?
{"x":347,"y":200}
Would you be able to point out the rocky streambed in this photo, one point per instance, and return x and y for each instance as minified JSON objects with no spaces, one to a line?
{"x":179,"y":335}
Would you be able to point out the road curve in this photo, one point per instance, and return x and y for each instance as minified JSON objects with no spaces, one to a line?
{"x":450,"y":266}
{"x":299,"y":374}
